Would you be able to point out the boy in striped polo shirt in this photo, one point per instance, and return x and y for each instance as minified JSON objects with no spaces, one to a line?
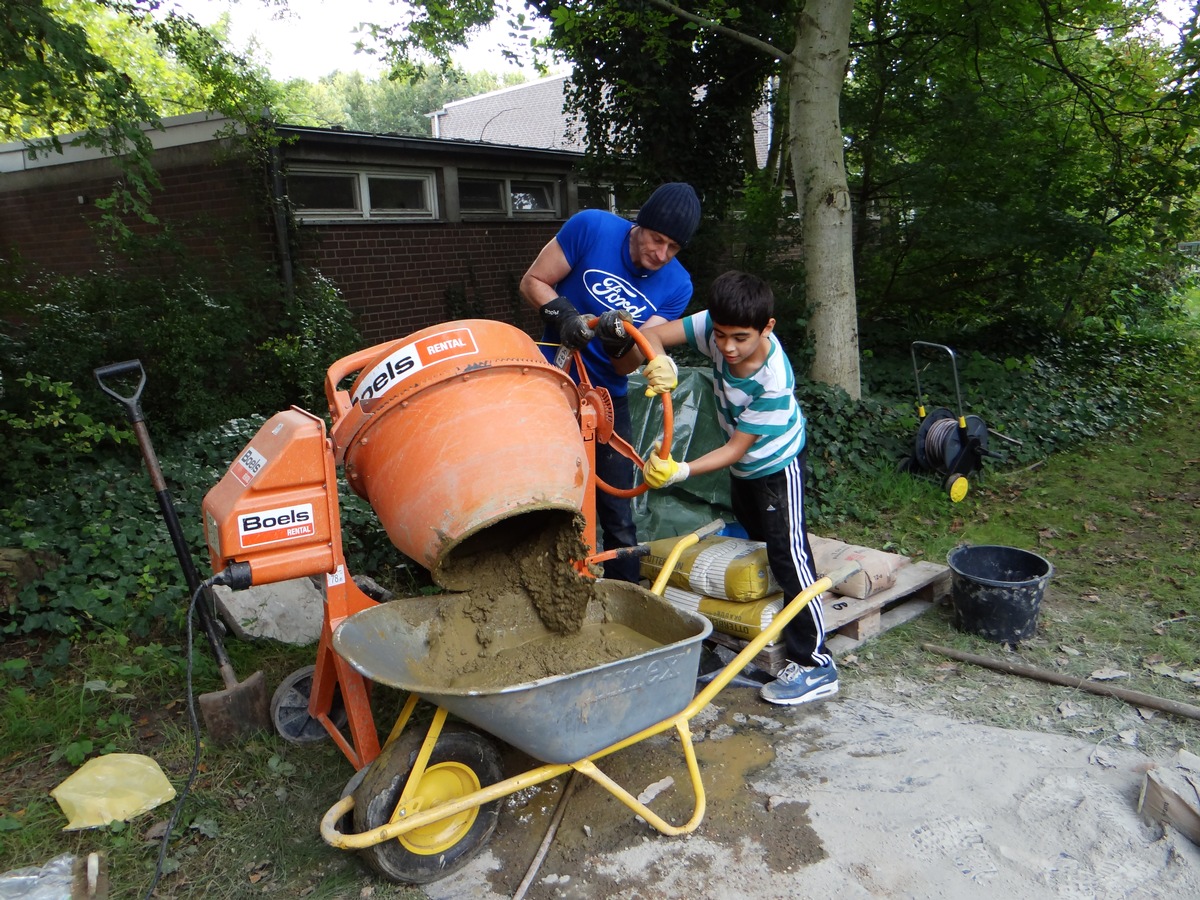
{"x":764,"y":452}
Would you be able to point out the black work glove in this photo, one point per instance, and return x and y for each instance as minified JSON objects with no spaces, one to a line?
{"x":615,"y":339}
{"x":573,"y":330}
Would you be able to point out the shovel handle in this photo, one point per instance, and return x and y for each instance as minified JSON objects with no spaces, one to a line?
{"x":166,"y":505}
{"x":132,"y":403}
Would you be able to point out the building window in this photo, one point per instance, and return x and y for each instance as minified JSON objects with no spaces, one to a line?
{"x":335,"y":192}
{"x":481,"y":195}
{"x":362,"y":195}
{"x":597,"y":197}
{"x":511,"y":197}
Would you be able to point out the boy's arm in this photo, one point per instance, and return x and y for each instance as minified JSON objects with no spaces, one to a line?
{"x":661,"y":372}
{"x":660,"y":473}
{"x":631,"y":360}
{"x":661,"y":336}
{"x":724,"y":456}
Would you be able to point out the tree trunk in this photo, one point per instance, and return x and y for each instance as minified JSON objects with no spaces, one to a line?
{"x":816,"y":74}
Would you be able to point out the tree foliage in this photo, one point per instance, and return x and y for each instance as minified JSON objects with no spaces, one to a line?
{"x":102,"y":70}
{"x":661,"y":99}
{"x":1016,"y":155}
{"x":395,"y":105}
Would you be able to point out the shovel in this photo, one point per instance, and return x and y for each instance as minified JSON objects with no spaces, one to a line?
{"x":242,"y":707}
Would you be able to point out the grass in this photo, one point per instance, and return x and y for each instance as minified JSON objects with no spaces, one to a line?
{"x":1118,"y":517}
{"x":1120,"y":522}
{"x":249,"y":826}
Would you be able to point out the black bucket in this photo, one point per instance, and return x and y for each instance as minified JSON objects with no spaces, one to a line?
{"x":997,"y":591}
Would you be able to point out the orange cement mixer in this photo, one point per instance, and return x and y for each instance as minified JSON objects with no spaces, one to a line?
{"x":452,"y":430}
{"x":451,"y":435}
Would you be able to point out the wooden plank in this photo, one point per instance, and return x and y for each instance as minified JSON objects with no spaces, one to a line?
{"x":922,"y":579}
{"x":770,"y":659}
{"x":863,"y":628}
{"x":849,"y":621}
{"x":841,"y":643}
{"x":1171,"y":794}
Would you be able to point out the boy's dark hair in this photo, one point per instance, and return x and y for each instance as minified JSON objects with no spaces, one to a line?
{"x":739,"y":298}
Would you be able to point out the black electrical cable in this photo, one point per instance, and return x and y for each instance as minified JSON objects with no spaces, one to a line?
{"x":222,"y":577}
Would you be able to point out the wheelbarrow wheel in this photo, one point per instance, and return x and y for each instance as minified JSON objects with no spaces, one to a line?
{"x":462,"y":762}
{"x":289,"y":709}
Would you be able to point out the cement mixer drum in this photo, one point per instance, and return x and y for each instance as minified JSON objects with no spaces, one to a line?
{"x":453,"y":430}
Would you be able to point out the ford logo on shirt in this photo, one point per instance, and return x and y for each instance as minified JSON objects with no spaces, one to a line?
{"x":615,"y":292}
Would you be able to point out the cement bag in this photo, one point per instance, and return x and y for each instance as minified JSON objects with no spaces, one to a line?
{"x":740,"y":619}
{"x":725,"y":568}
{"x":878,"y":568}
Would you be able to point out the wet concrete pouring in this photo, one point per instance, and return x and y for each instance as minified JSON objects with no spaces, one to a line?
{"x":505,"y":586}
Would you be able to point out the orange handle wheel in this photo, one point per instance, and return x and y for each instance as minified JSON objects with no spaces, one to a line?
{"x":339,"y":400}
{"x":664,"y":449}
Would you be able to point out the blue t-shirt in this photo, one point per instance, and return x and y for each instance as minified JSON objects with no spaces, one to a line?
{"x":762,"y":404}
{"x":603,"y":277}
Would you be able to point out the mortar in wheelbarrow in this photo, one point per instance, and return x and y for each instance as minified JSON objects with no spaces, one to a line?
{"x":452,"y":433}
{"x":413,"y":645}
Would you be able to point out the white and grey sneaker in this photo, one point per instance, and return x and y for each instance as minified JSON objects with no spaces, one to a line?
{"x":796,"y":684}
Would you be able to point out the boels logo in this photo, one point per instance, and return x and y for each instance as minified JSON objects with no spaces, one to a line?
{"x":248,"y":465}
{"x":269,"y":526}
{"x":412,"y":358}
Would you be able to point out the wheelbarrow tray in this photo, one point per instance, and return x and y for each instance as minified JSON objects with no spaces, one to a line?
{"x":557,"y":719}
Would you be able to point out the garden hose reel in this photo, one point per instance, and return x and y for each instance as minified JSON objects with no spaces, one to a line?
{"x":949,"y":446}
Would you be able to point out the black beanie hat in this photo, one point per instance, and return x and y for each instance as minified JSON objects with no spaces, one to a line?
{"x":674,"y":210}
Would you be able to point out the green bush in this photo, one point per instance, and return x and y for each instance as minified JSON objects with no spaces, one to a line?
{"x":85,"y":498}
{"x":1043,"y":391}
{"x":210,"y":353}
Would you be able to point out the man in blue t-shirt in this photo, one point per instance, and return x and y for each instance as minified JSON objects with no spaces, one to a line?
{"x":599,"y":263}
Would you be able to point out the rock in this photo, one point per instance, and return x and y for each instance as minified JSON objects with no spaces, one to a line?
{"x":290,"y":612}
{"x":19,"y":567}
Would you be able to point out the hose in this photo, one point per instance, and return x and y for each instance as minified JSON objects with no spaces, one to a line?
{"x":936,"y":440}
{"x":236,"y":575}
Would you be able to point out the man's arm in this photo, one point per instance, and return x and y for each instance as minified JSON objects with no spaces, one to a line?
{"x":538,"y":283}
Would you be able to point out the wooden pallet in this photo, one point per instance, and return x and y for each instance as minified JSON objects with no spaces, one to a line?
{"x":849,"y":621}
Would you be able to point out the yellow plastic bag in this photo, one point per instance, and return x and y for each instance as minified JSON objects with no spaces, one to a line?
{"x":112,"y":788}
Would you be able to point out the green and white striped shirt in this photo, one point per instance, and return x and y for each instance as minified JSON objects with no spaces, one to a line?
{"x":763,"y":404}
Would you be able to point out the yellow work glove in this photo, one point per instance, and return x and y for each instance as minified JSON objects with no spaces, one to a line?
{"x":662,"y":375}
{"x":661,"y":473}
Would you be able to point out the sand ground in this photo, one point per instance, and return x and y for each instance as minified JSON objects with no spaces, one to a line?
{"x":860,"y":796}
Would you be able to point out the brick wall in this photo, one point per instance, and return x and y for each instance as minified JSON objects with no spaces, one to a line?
{"x":399,"y":279}
{"x":396,"y":278}
{"x":48,"y":217}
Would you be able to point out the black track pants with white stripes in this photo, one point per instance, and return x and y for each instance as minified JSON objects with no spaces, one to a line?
{"x":771,"y":509}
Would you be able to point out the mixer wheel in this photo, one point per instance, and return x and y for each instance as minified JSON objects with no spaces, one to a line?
{"x":289,"y":709}
{"x":462,"y":762}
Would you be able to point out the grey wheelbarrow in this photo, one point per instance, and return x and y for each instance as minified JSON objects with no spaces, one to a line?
{"x":430,"y":800}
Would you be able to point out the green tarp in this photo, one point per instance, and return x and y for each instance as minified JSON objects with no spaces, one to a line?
{"x":696,"y":502}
